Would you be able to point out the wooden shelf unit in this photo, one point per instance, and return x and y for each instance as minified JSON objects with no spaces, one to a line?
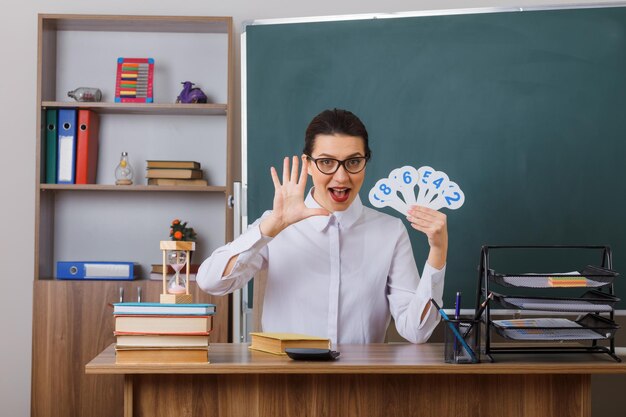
{"x":72,"y":319}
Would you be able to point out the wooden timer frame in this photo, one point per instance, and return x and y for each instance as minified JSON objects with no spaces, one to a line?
{"x":182,"y":246}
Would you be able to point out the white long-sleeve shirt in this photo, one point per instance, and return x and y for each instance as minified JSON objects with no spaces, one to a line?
{"x":340,"y":276}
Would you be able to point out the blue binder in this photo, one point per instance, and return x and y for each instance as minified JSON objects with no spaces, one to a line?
{"x":66,"y":150}
{"x":96,"y":270}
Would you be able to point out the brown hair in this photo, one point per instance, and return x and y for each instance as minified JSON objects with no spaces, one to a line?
{"x":335,"y":121}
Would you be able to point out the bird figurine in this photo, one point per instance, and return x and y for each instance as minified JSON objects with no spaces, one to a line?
{"x":191,"y":94}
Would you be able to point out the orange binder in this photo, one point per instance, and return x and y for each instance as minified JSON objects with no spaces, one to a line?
{"x":87,"y":147}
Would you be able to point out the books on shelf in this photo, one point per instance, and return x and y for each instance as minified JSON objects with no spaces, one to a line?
{"x":162,"y":355}
{"x":276,"y":343}
{"x":174,"y":173}
{"x":172,"y":164}
{"x":163,"y":309}
{"x":178,"y":183}
{"x":163,"y":324}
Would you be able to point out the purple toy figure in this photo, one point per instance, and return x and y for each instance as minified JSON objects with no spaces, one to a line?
{"x":191,"y":94}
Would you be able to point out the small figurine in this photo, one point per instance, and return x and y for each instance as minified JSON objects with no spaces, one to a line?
{"x":191,"y":94}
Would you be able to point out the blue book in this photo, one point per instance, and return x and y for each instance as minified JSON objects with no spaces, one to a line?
{"x":163,"y":309}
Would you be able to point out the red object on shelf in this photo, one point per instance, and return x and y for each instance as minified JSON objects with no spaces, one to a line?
{"x":134,"y":80}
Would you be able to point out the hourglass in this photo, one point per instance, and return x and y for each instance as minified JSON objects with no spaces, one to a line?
{"x":176,"y":254}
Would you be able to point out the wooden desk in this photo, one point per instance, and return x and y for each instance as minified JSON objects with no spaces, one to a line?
{"x":367,"y":380}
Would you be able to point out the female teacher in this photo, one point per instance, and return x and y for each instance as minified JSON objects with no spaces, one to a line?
{"x":335,"y":268}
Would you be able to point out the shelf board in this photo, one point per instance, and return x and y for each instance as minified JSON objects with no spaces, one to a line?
{"x":199,"y":109}
{"x":140,"y":279}
{"x":128,"y":23}
{"x":131,"y":188}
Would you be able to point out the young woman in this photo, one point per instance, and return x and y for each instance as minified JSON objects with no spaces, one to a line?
{"x":335,"y":268}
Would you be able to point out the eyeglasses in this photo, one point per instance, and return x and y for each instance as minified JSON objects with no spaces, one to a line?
{"x":329,"y":166}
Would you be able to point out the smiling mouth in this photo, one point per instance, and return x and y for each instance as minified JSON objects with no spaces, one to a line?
{"x":339,"y":195}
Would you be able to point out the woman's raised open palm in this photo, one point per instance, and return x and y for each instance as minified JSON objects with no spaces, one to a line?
{"x":289,"y":207}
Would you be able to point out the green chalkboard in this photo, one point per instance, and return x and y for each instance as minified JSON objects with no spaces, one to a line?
{"x":526,"y":111}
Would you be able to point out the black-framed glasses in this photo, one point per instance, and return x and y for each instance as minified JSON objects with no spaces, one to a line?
{"x":329,"y":166}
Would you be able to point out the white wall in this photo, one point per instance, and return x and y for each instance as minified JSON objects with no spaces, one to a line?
{"x":18,"y":76}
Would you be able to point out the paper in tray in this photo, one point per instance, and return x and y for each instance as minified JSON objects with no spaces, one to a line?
{"x":590,"y":277}
{"x":590,"y":327}
{"x":591,"y":301}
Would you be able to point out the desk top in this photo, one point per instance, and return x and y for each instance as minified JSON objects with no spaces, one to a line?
{"x":236,"y":358}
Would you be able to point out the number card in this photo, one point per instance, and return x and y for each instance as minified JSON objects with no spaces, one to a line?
{"x":452,"y":198}
{"x":435,"y":190}
{"x":405,"y":179}
{"x":438,"y":182}
{"x":384,"y":194}
{"x":424,"y":174}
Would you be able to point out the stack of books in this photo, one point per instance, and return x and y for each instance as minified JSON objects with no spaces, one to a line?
{"x":156,"y":271}
{"x":162,"y":333}
{"x":177,"y":173}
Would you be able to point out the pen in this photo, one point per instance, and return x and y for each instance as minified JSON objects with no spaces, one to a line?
{"x":479,"y":313}
{"x":482,"y":306}
{"x":455,"y":331}
{"x":457,"y":313}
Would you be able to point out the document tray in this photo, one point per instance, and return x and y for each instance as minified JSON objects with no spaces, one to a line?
{"x":589,"y":277}
{"x":590,"y":301}
{"x":589,"y":327}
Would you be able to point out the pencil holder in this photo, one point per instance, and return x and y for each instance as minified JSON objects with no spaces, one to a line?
{"x":461,"y":340}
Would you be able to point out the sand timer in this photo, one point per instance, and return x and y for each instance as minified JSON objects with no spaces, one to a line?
{"x":176,"y":254}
